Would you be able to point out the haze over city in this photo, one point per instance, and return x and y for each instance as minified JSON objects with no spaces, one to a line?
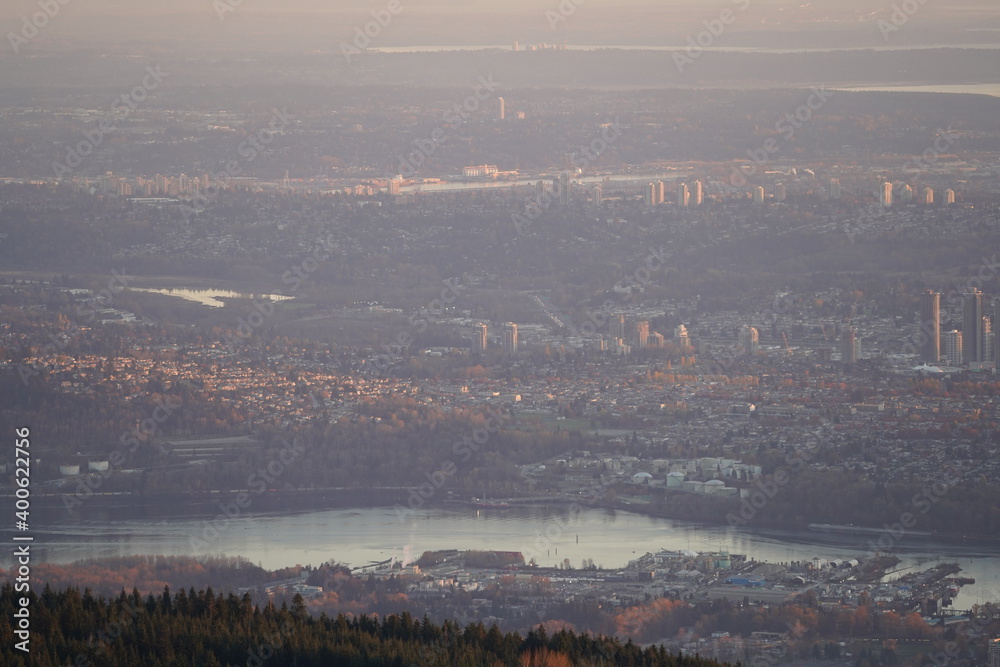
{"x":569,"y":332}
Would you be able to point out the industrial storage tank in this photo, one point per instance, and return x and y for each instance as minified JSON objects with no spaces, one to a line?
{"x":715,"y":486}
{"x":675,"y":480}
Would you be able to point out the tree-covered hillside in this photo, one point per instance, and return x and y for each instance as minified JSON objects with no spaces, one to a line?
{"x":202,"y":628}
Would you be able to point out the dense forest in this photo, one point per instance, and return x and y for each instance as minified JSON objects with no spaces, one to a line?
{"x":70,"y":627}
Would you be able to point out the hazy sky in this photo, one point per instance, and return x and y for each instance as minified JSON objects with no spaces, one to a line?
{"x":22,"y":7}
{"x":292,"y":25}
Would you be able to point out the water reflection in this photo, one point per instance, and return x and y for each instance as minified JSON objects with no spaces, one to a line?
{"x":210,"y":297}
{"x":360,"y":535}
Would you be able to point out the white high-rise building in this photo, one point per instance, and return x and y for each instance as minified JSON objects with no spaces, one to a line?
{"x":480,"y":336}
{"x":833,"y":189}
{"x":642,"y":334}
{"x":681,"y":337}
{"x":951,"y":341}
{"x":683,"y":195}
{"x":540,"y":194}
{"x":649,"y":194}
{"x":986,"y":335}
{"x":849,"y":346}
{"x":749,"y":341}
{"x":930,"y":326}
{"x":972,"y":325}
{"x":510,"y":337}
{"x":697,"y":194}
{"x":597,"y":195}
{"x":653,"y":195}
{"x":616,"y":327}
{"x":562,"y":187}
{"x":885,"y":194}
{"x":996,"y":337}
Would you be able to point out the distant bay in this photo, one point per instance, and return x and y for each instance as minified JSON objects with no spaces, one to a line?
{"x":992,"y":89}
